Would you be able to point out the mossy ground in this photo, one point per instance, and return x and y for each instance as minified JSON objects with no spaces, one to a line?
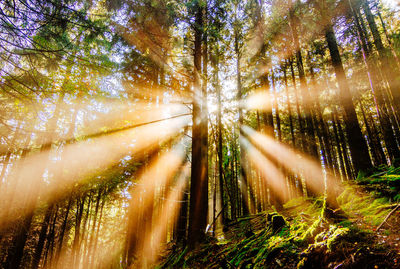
{"x":310,"y":238}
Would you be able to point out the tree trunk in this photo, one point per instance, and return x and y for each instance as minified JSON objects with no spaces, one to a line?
{"x":219,"y":139}
{"x":289,"y":107}
{"x":63,"y":230}
{"x":42,"y":236}
{"x":358,"y":147}
{"x":311,"y":144}
{"x":299,"y":116}
{"x":378,"y":93}
{"x":389,"y":68}
{"x":199,"y":182}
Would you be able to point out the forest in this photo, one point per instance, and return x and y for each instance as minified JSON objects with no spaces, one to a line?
{"x":199,"y":134}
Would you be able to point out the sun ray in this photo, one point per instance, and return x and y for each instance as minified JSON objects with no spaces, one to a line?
{"x":298,"y":163}
{"x":107,"y":117}
{"x":269,"y":172}
{"x":160,"y":171}
{"x":79,"y":162}
{"x":155,"y":240}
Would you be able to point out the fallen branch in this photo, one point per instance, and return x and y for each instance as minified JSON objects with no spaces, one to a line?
{"x":387,"y":217}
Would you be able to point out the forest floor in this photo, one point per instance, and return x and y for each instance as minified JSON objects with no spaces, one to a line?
{"x":307,"y":235}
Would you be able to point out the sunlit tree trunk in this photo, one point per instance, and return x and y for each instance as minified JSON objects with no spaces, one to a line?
{"x":78,"y":219}
{"x":198,"y":208}
{"x":42,"y":236}
{"x":243,"y":182}
{"x":204,"y":106}
{"x":94,"y":254}
{"x":291,"y":178}
{"x":389,"y":68}
{"x":289,"y":106}
{"x":298,"y":111}
{"x":343,"y":143}
{"x":63,"y":230}
{"x":90,"y":237}
{"x":235,"y":200}
{"x":378,"y":93}
{"x":311,"y":144}
{"x":276,"y":107}
{"x":358,"y":147}
{"x":219,"y":136}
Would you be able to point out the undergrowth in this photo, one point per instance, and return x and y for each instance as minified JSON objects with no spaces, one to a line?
{"x":305,"y":237}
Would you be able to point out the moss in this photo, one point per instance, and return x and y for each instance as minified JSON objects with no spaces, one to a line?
{"x":345,"y":223}
{"x":336,"y":238}
{"x":319,"y":202}
{"x":345,"y":196}
{"x":311,"y":240}
{"x":295,"y":203}
{"x":310,"y":233}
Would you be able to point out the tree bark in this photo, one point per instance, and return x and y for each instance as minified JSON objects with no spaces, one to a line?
{"x":358,"y":147}
{"x":198,"y":209}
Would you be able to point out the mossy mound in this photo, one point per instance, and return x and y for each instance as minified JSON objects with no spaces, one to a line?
{"x":382,"y":182}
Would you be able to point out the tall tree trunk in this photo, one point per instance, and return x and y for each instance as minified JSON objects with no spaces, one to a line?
{"x":181,"y":233}
{"x":199,"y":181}
{"x":50,"y":241}
{"x":344,"y":173}
{"x":77,"y":235}
{"x":358,"y":147}
{"x":63,"y":230}
{"x":289,"y":107}
{"x":291,"y":178}
{"x":92,"y":232}
{"x":276,"y":107}
{"x":299,"y":116}
{"x":389,"y":68}
{"x":343,"y":144}
{"x":378,"y":156}
{"x":242,"y":173}
{"x":311,"y":144}
{"x":93,"y":254}
{"x":378,"y":93}
{"x":219,"y":137}
{"x":42,"y":236}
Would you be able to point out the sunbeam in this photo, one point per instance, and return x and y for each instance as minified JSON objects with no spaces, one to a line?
{"x":140,"y":223}
{"x":78,"y":161}
{"x":269,"y":172}
{"x":155,"y":240}
{"x":298,"y":163}
{"x":148,"y":236}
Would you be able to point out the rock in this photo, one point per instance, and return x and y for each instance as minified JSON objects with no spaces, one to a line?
{"x":278,"y":222}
